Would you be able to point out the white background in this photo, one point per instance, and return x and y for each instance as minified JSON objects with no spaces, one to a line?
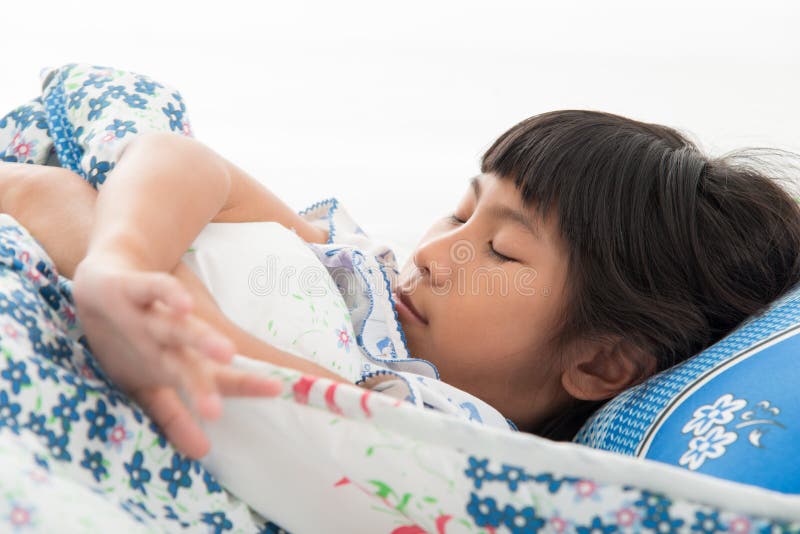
{"x":389,"y":106}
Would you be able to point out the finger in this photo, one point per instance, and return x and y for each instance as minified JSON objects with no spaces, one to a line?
{"x":171,"y":415}
{"x":187,"y":332}
{"x":199,"y":384}
{"x":145,"y":288}
{"x":171,"y":367}
{"x":237,"y":383}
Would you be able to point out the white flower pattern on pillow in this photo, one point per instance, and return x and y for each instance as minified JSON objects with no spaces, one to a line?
{"x":709,"y":446}
{"x":709,"y":415}
{"x":711,"y":437}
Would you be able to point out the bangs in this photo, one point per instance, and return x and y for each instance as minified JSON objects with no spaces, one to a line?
{"x":596,"y":168}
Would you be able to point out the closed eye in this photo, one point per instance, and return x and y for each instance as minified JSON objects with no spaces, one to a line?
{"x":502,"y":258}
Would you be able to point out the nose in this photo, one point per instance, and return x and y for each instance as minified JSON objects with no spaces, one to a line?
{"x":437,"y":256}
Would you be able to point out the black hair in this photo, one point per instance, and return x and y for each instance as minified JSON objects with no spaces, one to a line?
{"x":668,"y":248}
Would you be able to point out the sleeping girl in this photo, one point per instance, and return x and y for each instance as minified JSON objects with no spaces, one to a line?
{"x":624,"y":248}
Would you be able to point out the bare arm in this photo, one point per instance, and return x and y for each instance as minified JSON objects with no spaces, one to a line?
{"x":165,"y":189}
{"x":249,"y":200}
{"x":34,"y":195}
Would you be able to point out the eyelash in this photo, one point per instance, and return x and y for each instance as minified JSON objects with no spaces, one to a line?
{"x":452,"y":219}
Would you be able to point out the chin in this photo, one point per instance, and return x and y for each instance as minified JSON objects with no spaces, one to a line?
{"x":413,"y":346}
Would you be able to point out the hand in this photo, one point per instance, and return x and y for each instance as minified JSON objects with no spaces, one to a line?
{"x":169,"y":412}
{"x":141,"y":329}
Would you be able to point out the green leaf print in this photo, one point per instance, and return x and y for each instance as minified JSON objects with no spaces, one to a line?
{"x":403,"y":502}
{"x":270,"y":330}
{"x":314,"y":330}
{"x":383,"y":489}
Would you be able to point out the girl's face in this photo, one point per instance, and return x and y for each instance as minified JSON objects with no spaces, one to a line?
{"x":488,"y":284}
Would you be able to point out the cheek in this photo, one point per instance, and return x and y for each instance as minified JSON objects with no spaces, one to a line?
{"x":483,"y":321}
{"x":516,"y":319}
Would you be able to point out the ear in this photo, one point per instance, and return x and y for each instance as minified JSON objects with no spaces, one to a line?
{"x":599,"y":370}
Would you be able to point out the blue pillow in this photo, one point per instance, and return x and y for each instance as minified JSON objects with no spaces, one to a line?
{"x":732,"y":411}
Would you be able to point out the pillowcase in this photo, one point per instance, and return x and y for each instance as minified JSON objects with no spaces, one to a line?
{"x":732,"y":411}
{"x":268,"y":282}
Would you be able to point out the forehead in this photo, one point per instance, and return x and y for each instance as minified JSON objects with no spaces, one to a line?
{"x":498,"y":190}
{"x":504,"y":202}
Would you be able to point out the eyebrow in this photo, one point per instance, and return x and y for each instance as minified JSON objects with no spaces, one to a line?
{"x":506,"y":213}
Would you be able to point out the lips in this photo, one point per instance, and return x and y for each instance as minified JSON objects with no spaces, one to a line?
{"x":405,"y":300}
